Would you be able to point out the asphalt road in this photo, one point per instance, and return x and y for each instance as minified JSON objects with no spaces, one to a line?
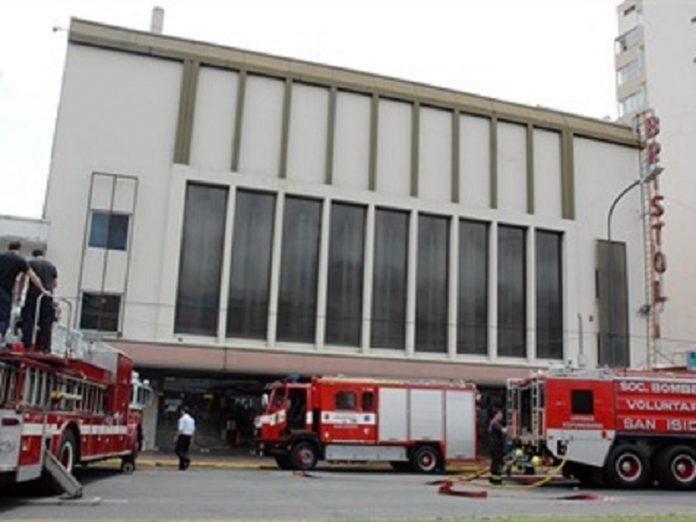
{"x":264,"y":494}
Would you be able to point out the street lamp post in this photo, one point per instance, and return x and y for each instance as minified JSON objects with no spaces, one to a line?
{"x":652,"y":175}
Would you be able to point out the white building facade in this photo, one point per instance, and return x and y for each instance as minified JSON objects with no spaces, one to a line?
{"x":655,"y":53}
{"x":219,"y":212}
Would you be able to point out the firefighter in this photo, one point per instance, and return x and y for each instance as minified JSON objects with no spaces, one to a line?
{"x":46,"y":271}
{"x":496,"y":445}
{"x":12,"y":265}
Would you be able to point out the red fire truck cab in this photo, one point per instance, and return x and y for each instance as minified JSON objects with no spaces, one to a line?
{"x":420,"y":426}
{"x":627,"y":429}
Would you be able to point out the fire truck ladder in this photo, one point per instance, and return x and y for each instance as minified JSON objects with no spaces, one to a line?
{"x":65,"y":479}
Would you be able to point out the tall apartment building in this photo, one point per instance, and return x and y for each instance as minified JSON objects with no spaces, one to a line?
{"x":227,"y":217}
{"x":656,"y":69}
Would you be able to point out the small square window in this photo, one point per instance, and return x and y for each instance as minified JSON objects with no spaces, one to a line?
{"x":100,"y":312}
{"x":345,"y":400}
{"x":109,"y":230}
{"x":582,"y":402}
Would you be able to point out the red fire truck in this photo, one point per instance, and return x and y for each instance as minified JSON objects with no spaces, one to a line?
{"x":79,"y":406}
{"x":414,"y":425}
{"x":627,"y":429}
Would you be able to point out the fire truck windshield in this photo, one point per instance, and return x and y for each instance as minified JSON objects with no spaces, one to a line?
{"x":277,"y":399}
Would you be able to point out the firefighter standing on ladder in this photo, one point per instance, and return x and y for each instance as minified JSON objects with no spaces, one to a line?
{"x":496,"y":444}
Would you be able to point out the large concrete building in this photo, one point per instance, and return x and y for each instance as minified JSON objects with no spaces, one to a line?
{"x":656,"y":69}
{"x":227,"y":217}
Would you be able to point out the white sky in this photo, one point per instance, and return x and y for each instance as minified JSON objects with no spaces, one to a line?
{"x":555,"y":53}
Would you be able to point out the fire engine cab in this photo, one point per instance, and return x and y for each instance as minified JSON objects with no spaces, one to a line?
{"x":627,"y":429}
{"x":412,"y":425}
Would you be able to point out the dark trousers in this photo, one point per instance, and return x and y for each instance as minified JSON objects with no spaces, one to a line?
{"x":45,"y":322}
{"x":183,"y":443}
{"x":497,"y":455}
{"x":5,"y":307}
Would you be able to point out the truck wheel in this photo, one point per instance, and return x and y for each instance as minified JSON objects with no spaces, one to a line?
{"x":425,"y":459}
{"x":676,"y":467}
{"x":628,"y":466}
{"x":67,"y":451}
{"x":283,"y":462}
{"x":304,"y":456}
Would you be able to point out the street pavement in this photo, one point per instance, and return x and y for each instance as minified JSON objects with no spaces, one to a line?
{"x":263,"y":493}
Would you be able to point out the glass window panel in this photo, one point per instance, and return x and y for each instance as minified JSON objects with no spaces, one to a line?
{"x":512,"y":292}
{"x":549,"y":295}
{"x":250,"y":273}
{"x":109,"y":230}
{"x":99,"y":232}
{"x":431,"y":284}
{"x":389,"y":279}
{"x":198,"y":294}
{"x":345,"y":279}
{"x":297,"y":297}
{"x":472,"y":320}
{"x":118,"y":231}
{"x":100,"y":312}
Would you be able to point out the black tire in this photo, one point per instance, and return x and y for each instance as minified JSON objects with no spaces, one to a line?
{"x":676,"y":467}
{"x":304,"y":456}
{"x":67,"y":451}
{"x":400,"y":465}
{"x":283,"y":462}
{"x":425,"y":459}
{"x":628,"y":466}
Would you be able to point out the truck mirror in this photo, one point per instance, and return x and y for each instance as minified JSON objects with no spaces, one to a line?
{"x":264,"y":401}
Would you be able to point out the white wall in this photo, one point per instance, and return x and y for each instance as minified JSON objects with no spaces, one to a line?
{"x":117,"y":114}
{"x":261,"y":126}
{"x":474,"y":161}
{"x":352,"y":141}
{"x":602,"y":171}
{"x":512,"y":168}
{"x":309,"y":115}
{"x":547,"y":173}
{"x":394,"y":148}
{"x":214,"y":117}
{"x":670,"y":49}
{"x":435,"y":155}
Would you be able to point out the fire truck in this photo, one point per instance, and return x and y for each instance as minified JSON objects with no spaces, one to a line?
{"x":412,"y":425}
{"x":627,"y":429}
{"x":79,"y":404}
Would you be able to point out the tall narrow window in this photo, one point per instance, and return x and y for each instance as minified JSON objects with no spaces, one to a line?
{"x":512,"y":292}
{"x":250,"y":273}
{"x":297,"y":297}
{"x":472,"y":320}
{"x":198,"y":294}
{"x":549,"y":295}
{"x":345,"y":282}
{"x":389,"y":279}
{"x":431,"y":285}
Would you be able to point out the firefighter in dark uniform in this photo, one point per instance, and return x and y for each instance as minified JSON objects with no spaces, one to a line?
{"x":496,"y":445}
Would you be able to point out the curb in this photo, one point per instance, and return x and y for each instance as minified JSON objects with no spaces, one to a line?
{"x":247,"y":464}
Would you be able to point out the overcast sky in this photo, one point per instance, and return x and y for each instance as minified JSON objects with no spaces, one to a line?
{"x":555,"y":53}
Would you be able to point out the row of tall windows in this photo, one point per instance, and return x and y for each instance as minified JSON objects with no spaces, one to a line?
{"x":248,"y":303}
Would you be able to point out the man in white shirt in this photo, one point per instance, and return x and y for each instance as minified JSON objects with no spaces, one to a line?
{"x":185,"y":430}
